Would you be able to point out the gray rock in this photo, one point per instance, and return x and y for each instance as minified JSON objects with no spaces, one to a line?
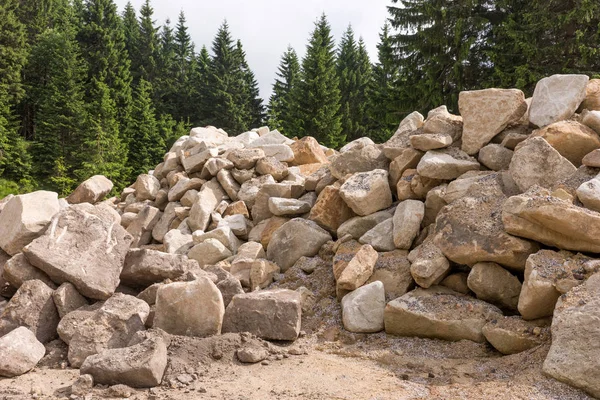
{"x":367,"y":192}
{"x":556,"y":98}
{"x":141,"y":227}
{"x":270,"y":314}
{"x":20,"y":351}
{"x":209,"y":252}
{"x":18,"y":270}
{"x":67,"y":299}
{"x":363,"y":159}
{"x":91,"y":329}
{"x":294,"y":239}
{"x":407,"y":222}
{"x":381,"y":237}
{"x":284,"y":207}
{"x":252,"y":355}
{"x":24,"y":218}
{"x":208,"y":199}
{"x":190,"y":308}
{"x":358,"y":226}
{"x":362,"y":309}
{"x":140,"y":366}
{"x":146,"y":187}
{"x":495,"y":157}
{"x":574,"y":357}
{"x":32,"y":307}
{"x":94,"y":269}
{"x":439,"y":313}
{"x":143,"y":267}
{"x":446,"y":164}
{"x":91,"y":191}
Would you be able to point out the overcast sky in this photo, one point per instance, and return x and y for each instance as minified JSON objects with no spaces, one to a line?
{"x":266,"y":27}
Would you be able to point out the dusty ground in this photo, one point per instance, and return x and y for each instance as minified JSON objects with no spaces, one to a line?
{"x":325,"y":363}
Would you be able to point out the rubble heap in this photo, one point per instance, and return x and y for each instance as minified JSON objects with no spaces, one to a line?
{"x":481,"y":226}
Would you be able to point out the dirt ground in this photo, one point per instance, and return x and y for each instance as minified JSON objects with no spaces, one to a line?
{"x":326,"y":362}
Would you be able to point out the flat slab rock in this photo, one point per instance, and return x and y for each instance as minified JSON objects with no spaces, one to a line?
{"x":511,"y":335}
{"x":143,"y":267}
{"x":270,"y":314}
{"x":439,"y":313}
{"x":93,"y":268}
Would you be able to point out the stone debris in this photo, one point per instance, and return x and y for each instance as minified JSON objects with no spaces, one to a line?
{"x":459,"y":227}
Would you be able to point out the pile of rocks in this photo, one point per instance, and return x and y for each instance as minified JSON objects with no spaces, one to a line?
{"x":458,"y":227}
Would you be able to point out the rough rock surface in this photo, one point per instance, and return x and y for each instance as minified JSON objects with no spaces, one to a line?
{"x":367,"y":192}
{"x":94,"y":269}
{"x":190,"y":308}
{"x":492,"y":283}
{"x":407,"y":222}
{"x":510,"y":335}
{"x":574,"y":355}
{"x":24,"y":218}
{"x":270,"y":314}
{"x":571,"y":139}
{"x":439,"y":313}
{"x":362,"y":309}
{"x":91,"y":191}
{"x":139,"y":366}
{"x":20,"y":351}
{"x":556,"y":98}
{"x":486,"y":113}
{"x":143,"y":267}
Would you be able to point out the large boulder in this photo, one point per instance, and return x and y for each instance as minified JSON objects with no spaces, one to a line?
{"x":294,"y":239}
{"x":140,"y":366}
{"x":535,"y":162}
{"x":362,"y":159}
{"x":270,"y":314}
{"x":571,"y":139}
{"x":367,"y":192}
{"x":143,"y":267}
{"x":190,"y":308}
{"x":91,"y":191}
{"x":556,"y":98}
{"x":471,"y":229}
{"x":574,"y":357}
{"x":439,"y":313}
{"x":32,"y":307}
{"x":486,"y":113}
{"x":362,"y":309}
{"x":109,"y":325}
{"x":555,"y":222}
{"x":20,"y":351}
{"x":24,"y":218}
{"x":94,"y":267}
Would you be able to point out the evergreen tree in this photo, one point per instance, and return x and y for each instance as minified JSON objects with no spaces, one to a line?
{"x":14,"y":159}
{"x":442,"y":46}
{"x":184,"y":65}
{"x":227,"y":85}
{"x":131,"y":31}
{"x":103,"y":152}
{"x":147,"y":146}
{"x":383,"y":110}
{"x":165,"y":91}
{"x":200,"y":94}
{"x":317,"y":94}
{"x":251,"y":96}
{"x":57,"y":76}
{"x":148,"y":45}
{"x":281,"y":103}
{"x":102,"y":41}
{"x":353,"y":70}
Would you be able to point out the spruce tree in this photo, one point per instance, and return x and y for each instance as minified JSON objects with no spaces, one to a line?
{"x":317,"y":94}
{"x":200,"y":85}
{"x":353,"y":70}
{"x":102,"y":41}
{"x":148,"y":45}
{"x":147,"y":146}
{"x":251,"y":96}
{"x":227,"y":85}
{"x":14,"y":159}
{"x":57,"y":76}
{"x":280,"y":110}
{"x":184,"y":65}
{"x":383,"y":110}
{"x":131,"y":31}
{"x":165,"y":91}
{"x":442,"y":49}
{"x":103,"y":151}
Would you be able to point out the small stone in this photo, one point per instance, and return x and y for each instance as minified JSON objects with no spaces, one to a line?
{"x":252,"y":355}
{"x":20,"y":351}
{"x":82,"y":385}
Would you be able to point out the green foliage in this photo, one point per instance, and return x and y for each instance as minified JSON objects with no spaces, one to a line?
{"x":317,"y":94}
{"x":281,"y":107}
{"x":354,"y":71}
{"x":146,"y":145}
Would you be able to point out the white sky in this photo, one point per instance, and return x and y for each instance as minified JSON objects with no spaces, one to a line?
{"x":266,"y":27}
